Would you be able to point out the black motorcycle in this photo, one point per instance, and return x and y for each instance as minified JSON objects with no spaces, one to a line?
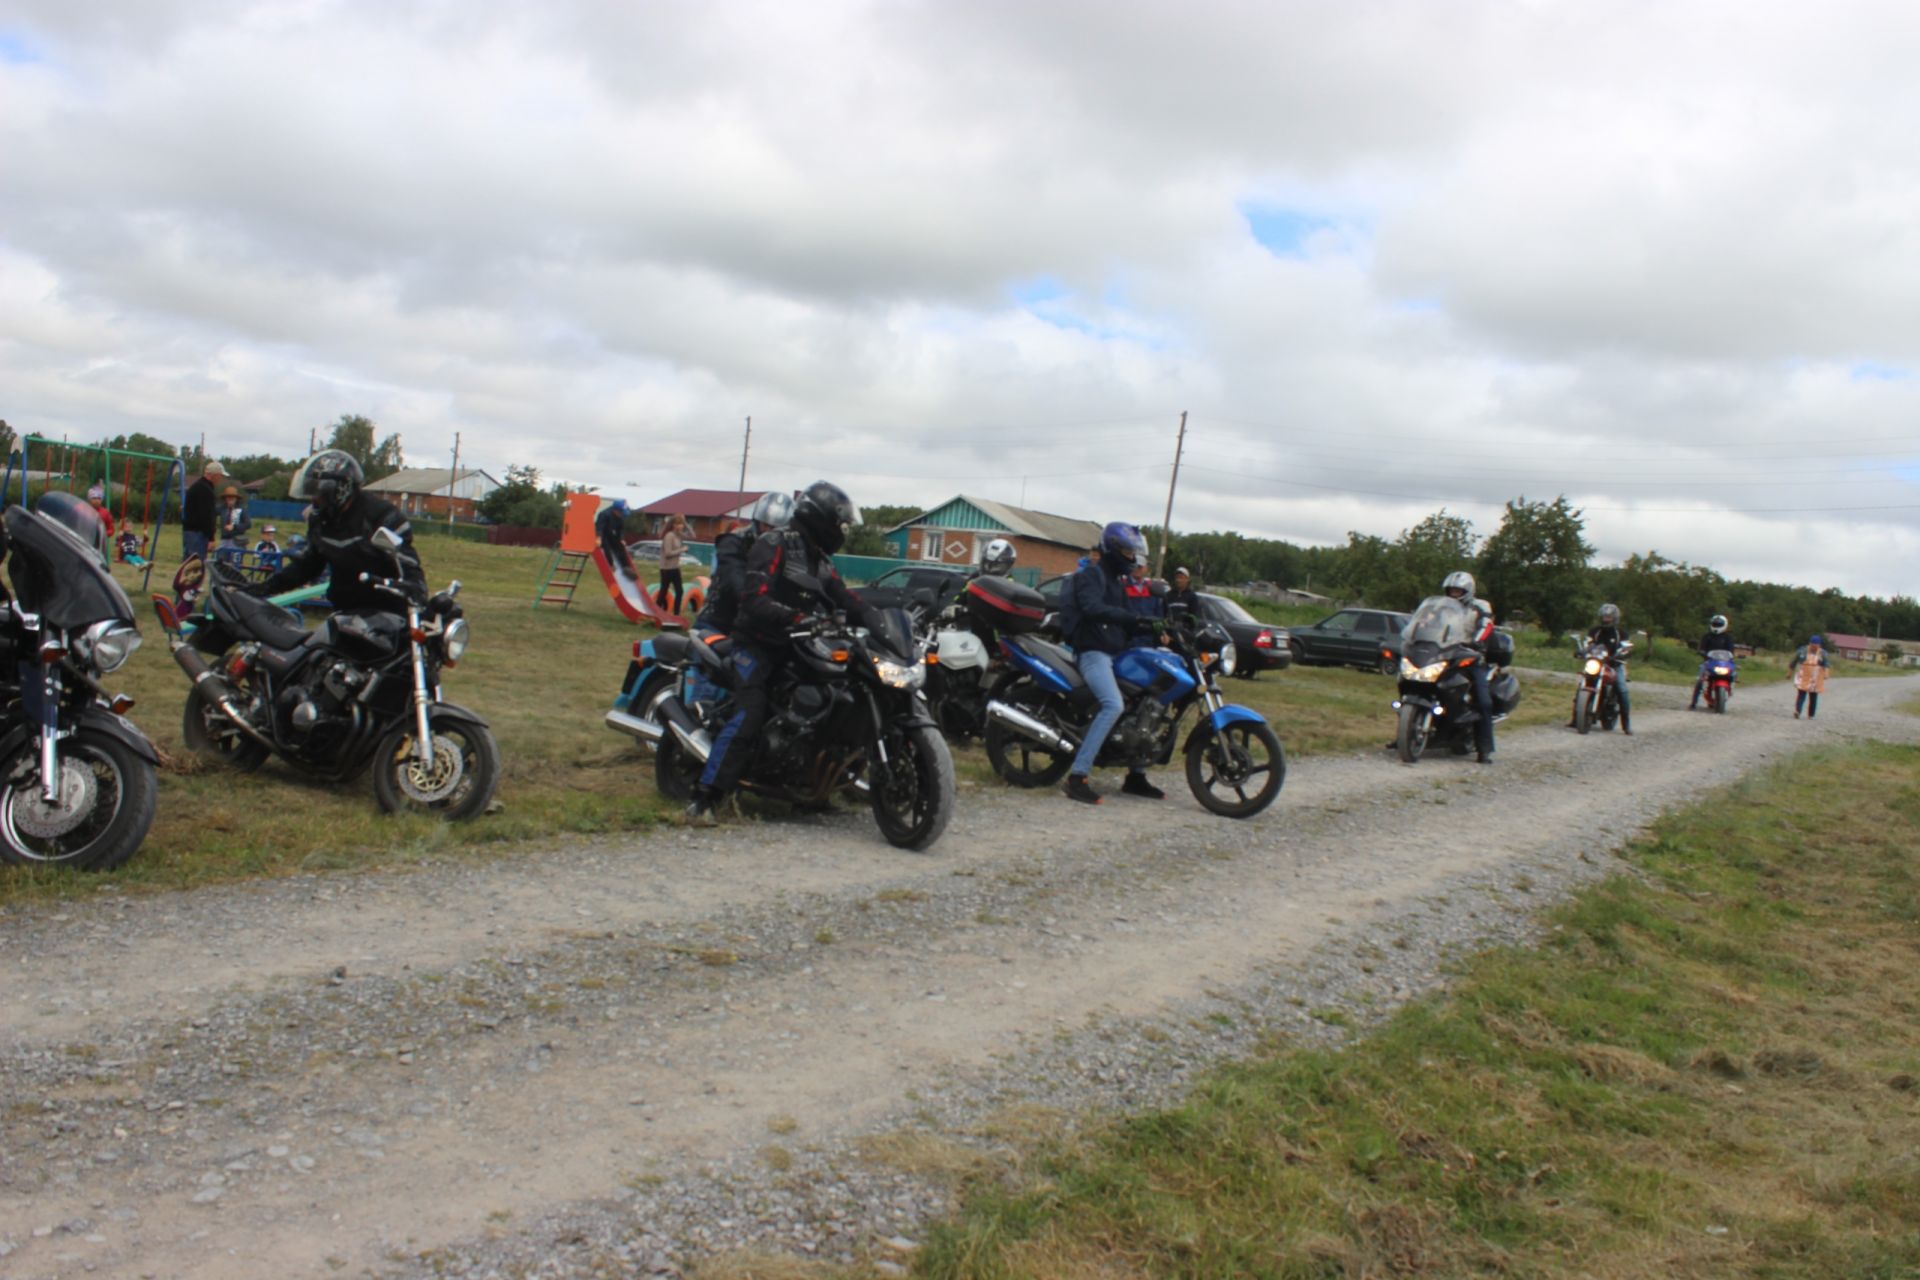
{"x":361,"y":688}
{"x":77,"y":779}
{"x":848,"y":716}
{"x":1435,"y":705}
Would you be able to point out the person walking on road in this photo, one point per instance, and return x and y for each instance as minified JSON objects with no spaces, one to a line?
{"x":673,"y":545}
{"x":1810,"y":666}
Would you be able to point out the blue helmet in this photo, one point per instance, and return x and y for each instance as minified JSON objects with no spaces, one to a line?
{"x":620,"y":505}
{"x":1124,"y":542}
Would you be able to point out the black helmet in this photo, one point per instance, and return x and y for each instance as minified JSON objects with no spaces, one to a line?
{"x":77,"y":517}
{"x":330,"y":480}
{"x":823,"y":513}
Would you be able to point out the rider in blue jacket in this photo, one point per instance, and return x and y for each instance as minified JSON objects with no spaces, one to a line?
{"x":1098,"y":618}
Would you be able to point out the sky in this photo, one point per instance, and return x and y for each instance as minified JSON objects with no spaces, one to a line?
{"x":1662,"y":258}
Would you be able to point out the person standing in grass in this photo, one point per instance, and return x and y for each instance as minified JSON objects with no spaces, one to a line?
{"x":1810,"y":667}
{"x":673,"y":545}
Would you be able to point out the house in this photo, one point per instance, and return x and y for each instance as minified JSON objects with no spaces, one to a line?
{"x":1870,"y":649}
{"x":429,"y":491}
{"x":958,"y":531}
{"x":708,"y":511}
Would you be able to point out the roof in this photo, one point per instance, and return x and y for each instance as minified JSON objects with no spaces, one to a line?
{"x":425,"y":480}
{"x":694,"y":503}
{"x":1043,"y":526}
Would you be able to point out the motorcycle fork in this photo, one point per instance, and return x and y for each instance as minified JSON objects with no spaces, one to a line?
{"x":423,"y":734}
{"x":50,"y":731}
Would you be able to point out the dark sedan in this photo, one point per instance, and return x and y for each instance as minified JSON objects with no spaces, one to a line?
{"x":1258,"y":646}
{"x":1364,"y":638}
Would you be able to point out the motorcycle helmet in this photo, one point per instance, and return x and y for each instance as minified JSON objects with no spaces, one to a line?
{"x":1124,"y":542}
{"x":997,"y":558}
{"x":1609,"y":615}
{"x":823,"y":513}
{"x":77,"y":518}
{"x":330,"y":480}
{"x":1459,"y":579}
{"x":1717,"y":623}
{"x":773,"y":510}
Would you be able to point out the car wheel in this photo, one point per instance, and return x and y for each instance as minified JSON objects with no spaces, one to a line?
{"x":1299,"y":652}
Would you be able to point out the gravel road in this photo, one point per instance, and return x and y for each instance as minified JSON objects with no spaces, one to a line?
{"x":612,"y":1056}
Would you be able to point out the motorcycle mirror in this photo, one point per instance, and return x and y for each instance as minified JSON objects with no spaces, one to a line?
{"x":386,"y":539}
{"x":453,"y":590}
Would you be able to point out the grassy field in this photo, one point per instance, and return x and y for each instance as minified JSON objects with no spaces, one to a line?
{"x":1708,"y":1069}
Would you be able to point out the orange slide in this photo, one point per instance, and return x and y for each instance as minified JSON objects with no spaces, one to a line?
{"x":632,"y":598}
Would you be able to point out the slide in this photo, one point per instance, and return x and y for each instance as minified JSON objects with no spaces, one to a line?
{"x":632,"y":599}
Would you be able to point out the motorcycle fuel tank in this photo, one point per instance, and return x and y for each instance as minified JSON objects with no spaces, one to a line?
{"x":1150,"y":668}
{"x":961,"y":650}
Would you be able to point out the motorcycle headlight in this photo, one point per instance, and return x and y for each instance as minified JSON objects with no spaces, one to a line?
{"x":1593,"y":666}
{"x":108,"y":645}
{"x":1228,"y":658}
{"x":1425,"y":675}
{"x":1723,"y":671}
{"x":900,"y":675}
{"x":454,"y":639}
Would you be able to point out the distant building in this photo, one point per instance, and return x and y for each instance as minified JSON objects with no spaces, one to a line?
{"x":708,"y":511}
{"x":1871,"y":649}
{"x":958,"y":531}
{"x":429,"y":491}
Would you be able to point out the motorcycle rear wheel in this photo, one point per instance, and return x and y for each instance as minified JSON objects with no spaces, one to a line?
{"x":914,"y":803}
{"x":1232,"y":758}
{"x":675,"y":770}
{"x":117,"y":780}
{"x":461,"y":748}
{"x":1018,"y":759}
{"x":1411,"y":738}
{"x":208,"y":733}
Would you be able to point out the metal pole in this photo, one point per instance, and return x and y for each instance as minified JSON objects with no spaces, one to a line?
{"x":453,"y":477}
{"x":745,"y":445}
{"x":1166,"y":521}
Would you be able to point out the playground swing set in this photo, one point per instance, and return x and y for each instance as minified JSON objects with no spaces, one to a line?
{"x":76,"y":468}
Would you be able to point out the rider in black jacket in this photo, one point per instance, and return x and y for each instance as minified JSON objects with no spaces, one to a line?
{"x":1608,"y":631}
{"x":1098,"y":618}
{"x":340,"y":535}
{"x":790,"y":578}
{"x":730,"y":550}
{"x":1717,"y":639}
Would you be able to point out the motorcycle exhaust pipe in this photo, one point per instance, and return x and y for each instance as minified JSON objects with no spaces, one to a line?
{"x":208,"y":681}
{"x":1020,"y":722}
{"x":645,"y":730}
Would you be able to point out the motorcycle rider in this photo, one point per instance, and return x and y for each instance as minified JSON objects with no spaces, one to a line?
{"x":1608,"y":631}
{"x":1716,"y":638}
{"x":1458,"y":585}
{"x":341,"y":539}
{"x":1097,"y":618}
{"x":790,"y":577}
{"x":610,"y":526}
{"x":772,"y":511}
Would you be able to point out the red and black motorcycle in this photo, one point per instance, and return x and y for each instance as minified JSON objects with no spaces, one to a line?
{"x":1599,"y":696}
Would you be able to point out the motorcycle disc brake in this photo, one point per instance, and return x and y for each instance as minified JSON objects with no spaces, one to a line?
{"x":34,"y":816}
{"x":431,"y":783}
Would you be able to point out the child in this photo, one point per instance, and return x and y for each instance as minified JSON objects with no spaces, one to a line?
{"x":267,"y":544}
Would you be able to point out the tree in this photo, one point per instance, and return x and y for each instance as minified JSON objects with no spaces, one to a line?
{"x":522,"y":502}
{"x":1398,"y":574}
{"x":868,"y":538}
{"x":1535,"y":564}
{"x":8,"y":440}
{"x":354,"y":434}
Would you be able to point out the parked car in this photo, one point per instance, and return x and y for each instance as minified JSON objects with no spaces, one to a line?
{"x":894,"y":588}
{"x":1258,"y":646}
{"x":1364,"y":638}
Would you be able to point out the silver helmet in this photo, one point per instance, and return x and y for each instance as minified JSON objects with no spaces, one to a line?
{"x":1459,"y":578}
{"x":1609,"y":615}
{"x":997,"y":558}
{"x":773,"y":510}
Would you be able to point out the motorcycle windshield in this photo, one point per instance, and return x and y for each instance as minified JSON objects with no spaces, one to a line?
{"x":1440,"y":621}
{"x":1720,"y":655}
{"x":59,"y":577}
{"x":890,"y":631}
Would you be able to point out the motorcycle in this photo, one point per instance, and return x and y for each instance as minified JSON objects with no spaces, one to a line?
{"x":962,"y":630}
{"x":1040,"y":710}
{"x":1720,"y":675}
{"x":848,"y":716}
{"x":359,"y":689}
{"x":1435,"y":706}
{"x":1599,"y":696}
{"x":78,"y":780}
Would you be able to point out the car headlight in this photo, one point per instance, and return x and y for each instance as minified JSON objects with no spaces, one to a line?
{"x":454,"y":640}
{"x":900,"y":675}
{"x":108,"y":645}
{"x":1593,"y":666}
{"x":1425,"y":675}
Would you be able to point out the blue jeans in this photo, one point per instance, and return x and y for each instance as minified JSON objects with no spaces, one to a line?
{"x":193,"y":544}
{"x":1097,"y":669}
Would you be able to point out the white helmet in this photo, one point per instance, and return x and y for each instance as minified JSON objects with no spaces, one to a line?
{"x":773,"y":510}
{"x":1458,"y":578}
{"x":997,"y":558}
{"x":1717,"y":623}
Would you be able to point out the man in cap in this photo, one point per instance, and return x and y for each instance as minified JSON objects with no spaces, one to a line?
{"x":199,"y":512}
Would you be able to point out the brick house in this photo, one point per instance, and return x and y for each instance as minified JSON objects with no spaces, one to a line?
{"x":428,"y":491}
{"x":957,"y":532}
{"x":1869,"y":649}
{"x":708,"y":511}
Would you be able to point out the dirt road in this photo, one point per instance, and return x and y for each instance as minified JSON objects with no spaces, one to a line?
{"x":604,"y":1056}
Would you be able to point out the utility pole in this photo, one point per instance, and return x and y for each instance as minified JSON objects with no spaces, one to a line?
{"x":1166,"y":522}
{"x":453,"y":477}
{"x":745,"y":444}
{"x":311,"y":447}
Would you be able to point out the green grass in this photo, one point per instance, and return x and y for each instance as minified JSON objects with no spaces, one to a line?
{"x":1707,"y":1070}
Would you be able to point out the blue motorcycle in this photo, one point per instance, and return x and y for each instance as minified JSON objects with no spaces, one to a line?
{"x":1041,"y":708}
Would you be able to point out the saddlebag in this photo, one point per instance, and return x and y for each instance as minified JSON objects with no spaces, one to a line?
{"x":1505,"y":689}
{"x":1500,"y":649}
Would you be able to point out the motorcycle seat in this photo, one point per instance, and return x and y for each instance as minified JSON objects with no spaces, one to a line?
{"x":267,"y":622}
{"x":1056,"y":656}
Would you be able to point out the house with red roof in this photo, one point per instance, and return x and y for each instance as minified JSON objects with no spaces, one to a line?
{"x":1869,"y":649}
{"x":709,"y":512}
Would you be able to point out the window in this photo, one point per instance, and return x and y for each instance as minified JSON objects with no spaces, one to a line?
{"x":930,"y":540}
{"x":1339,"y":622}
{"x":1371,"y":624}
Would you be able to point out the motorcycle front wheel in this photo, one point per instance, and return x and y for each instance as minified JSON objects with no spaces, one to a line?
{"x":914,"y":801}
{"x":457,"y":784}
{"x":1237,"y":771}
{"x":1717,"y":698}
{"x":1411,"y":739}
{"x":102,"y":814}
{"x":208,"y":733}
{"x":1018,"y":759}
{"x":1583,"y":711}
